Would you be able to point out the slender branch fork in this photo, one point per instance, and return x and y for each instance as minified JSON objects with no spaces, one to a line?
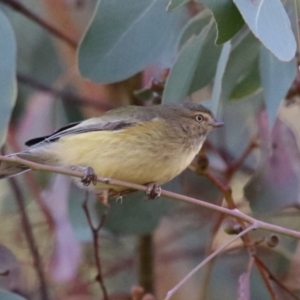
{"x":206,"y":260}
{"x":230,"y":212}
{"x":95,"y":232}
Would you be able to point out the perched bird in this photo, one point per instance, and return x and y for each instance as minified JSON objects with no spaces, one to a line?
{"x":142,"y":145}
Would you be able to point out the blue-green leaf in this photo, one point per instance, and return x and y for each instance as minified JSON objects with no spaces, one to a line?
{"x":248,"y":84}
{"x":228,"y":19}
{"x":217,"y":89}
{"x":276,"y":77}
{"x":194,"y":27}
{"x":124,"y":37}
{"x":269,"y":23}
{"x":174,"y":4}
{"x":5,"y":295}
{"x":195,"y":66}
{"x":7,"y":74}
{"x":242,"y":58}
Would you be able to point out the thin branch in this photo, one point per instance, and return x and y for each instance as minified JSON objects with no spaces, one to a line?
{"x":30,"y":239}
{"x":273,"y":278}
{"x":239,"y":162}
{"x":146,"y":272}
{"x":209,"y":267}
{"x":95,"y":232}
{"x":230,"y":212}
{"x":208,"y":259}
{"x":17,"y":6}
{"x":67,"y":96}
{"x":266,"y":279}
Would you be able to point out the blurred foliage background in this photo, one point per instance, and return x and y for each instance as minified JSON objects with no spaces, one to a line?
{"x":67,"y":60}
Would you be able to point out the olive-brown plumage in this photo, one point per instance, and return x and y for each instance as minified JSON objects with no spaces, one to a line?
{"x":135,"y":144}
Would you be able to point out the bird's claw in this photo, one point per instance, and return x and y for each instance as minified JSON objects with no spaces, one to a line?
{"x":89,"y":177}
{"x":153,"y":191}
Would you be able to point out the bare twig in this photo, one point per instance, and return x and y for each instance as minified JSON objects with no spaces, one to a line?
{"x":67,"y":96}
{"x":230,"y":212}
{"x":95,"y":232}
{"x":239,"y":162}
{"x":146,"y":272}
{"x":30,"y":239}
{"x":273,"y":278}
{"x":205,"y":261}
{"x":226,"y":190}
{"x":17,"y":6}
{"x":266,"y":279}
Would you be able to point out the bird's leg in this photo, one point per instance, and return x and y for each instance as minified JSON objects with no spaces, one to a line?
{"x":89,"y":175}
{"x":103,"y":197}
{"x":153,"y":190}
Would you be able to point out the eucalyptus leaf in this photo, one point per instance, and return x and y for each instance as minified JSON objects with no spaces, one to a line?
{"x":244,"y":55}
{"x":228,"y":19}
{"x":7,"y":74}
{"x":276,"y":184}
{"x":194,"y":67}
{"x":217,"y":89}
{"x":174,"y":4}
{"x":124,"y":37}
{"x":276,"y":77}
{"x":248,"y":84}
{"x":134,"y":214}
{"x":270,"y":24}
{"x":194,"y":27}
{"x":5,"y":295}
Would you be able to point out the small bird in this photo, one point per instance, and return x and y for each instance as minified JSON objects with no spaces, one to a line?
{"x":143,"y":145}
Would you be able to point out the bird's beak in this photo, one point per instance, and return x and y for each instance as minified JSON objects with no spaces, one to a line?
{"x":217,"y":124}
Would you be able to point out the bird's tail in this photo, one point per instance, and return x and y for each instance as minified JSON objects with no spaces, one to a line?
{"x":9,"y":169}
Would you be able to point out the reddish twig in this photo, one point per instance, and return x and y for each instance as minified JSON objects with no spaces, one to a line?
{"x":233,"y":167}
{"x":146,"y":272}
{"x":67,"y":96}
{"x":265,"y":276}
{"x":17,"y":6}
{"x":95,"y":232}
{"x":30,"y":239}
{"x":31,"y":183}
{"x":273,"y":278}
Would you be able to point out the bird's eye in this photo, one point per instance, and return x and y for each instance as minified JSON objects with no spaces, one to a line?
{"x":199,"y":118}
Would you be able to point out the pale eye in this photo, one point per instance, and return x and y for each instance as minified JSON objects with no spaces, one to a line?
{"x":199,"y":118}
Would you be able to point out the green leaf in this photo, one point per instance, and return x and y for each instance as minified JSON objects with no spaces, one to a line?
{"x":248,"y":84}
{"x":242,"y":58}
{"x":77,"y":215}
{"x":276,"y":77}
{"x":5,"y":295}
{"x":135,"y":214}
{"x":194,"y":27}
{"x":195,"y":66}
{"x":174,"y":4}
{"x":216,"y":94}
{"x":228,"y":19}
{"x":7,"y":74}
{"x":276,"y":184}
{"x":270,"y":24}
{"x":124,"y":37}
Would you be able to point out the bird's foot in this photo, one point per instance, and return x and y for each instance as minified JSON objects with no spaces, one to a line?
{"x":153,"y":191}
{"x":89,"y":177}
{"x":103,"y":197}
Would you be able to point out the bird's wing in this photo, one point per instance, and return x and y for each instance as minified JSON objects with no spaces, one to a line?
{"x":117,"y":120}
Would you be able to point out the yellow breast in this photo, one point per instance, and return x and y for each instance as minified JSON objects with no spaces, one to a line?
{"x":141,"y":154}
